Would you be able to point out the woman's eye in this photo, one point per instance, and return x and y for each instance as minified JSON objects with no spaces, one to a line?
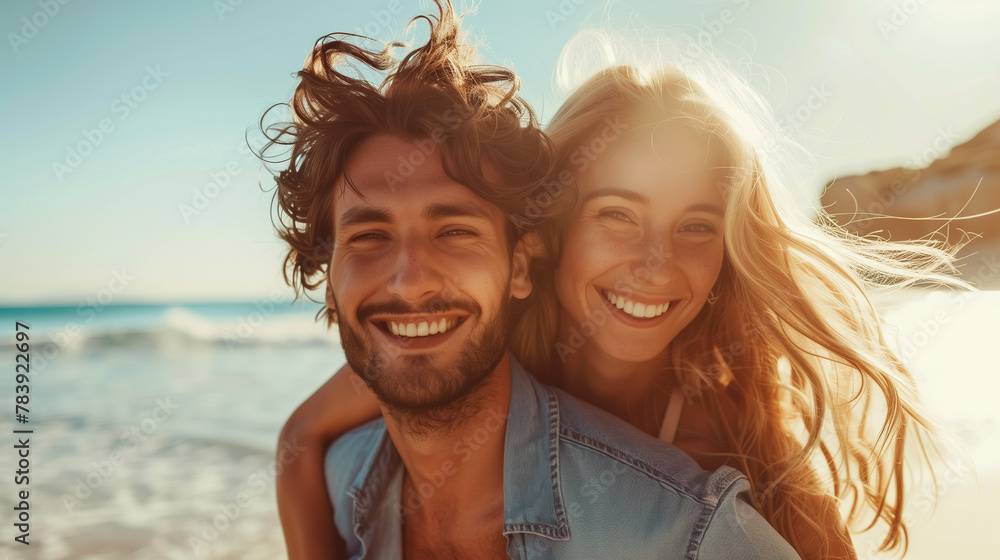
{"x":698,"y":228}
{"x":616,"y":215}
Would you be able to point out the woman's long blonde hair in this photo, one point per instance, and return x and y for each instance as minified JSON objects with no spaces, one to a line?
{"x":818,"y":387}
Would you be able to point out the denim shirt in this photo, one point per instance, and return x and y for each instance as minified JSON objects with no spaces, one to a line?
{"x":578,"y":483}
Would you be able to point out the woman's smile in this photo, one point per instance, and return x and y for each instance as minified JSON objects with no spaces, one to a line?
{"x":643,"y":245}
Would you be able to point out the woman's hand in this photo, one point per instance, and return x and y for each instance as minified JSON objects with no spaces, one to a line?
{"x":341,"y":404}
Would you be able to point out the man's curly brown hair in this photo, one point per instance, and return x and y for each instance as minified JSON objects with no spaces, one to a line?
{"x":472,"y":112}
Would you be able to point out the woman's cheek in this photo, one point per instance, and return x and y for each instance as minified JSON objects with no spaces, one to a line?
{"x":596,"y":256}
{"x":575,"y":268}
{"x":702,"y":265}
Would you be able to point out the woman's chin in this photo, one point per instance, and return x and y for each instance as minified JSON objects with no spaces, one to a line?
{"x":632,"y":351}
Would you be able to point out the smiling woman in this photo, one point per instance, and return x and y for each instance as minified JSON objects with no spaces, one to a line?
{"x":650,"y":194}
{"x":753,"y":320}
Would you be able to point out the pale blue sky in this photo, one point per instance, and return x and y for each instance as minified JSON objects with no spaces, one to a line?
{"x":209,"y":75}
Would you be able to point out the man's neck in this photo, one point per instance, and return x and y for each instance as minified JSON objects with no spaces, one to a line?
{"x":456,"y":475}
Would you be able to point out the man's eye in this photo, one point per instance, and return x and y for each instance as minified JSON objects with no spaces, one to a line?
{"x":456,"y":232}
{"x":368,"y":236}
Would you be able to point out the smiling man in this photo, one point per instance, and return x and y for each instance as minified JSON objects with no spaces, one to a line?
{"x":421,"y":277}
{"x":406,"y":197}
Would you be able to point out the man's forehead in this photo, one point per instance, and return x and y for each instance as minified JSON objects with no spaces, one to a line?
{"x":397,"y":176}
{"x":415,"y":195}
{"x":434,"y":202}
{"x":391,"y":160}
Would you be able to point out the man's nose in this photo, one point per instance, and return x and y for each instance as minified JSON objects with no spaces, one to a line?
{"x":416,"y":276}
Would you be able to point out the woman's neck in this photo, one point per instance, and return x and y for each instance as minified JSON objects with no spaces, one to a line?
{"x":636,"y":392}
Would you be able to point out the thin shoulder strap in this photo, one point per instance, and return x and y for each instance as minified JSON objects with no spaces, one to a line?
{"x":673,"y":415}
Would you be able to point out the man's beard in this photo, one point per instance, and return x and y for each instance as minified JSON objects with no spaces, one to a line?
{"x":426,"y":400}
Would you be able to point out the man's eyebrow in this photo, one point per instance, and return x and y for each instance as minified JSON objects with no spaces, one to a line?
{"x":363,"y":215}
{"x":614,"y":191}
{"x":455,"y":210}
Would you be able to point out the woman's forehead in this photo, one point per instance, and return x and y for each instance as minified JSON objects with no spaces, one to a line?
{"x":654,"y":154}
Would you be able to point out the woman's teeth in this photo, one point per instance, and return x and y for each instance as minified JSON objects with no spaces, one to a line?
{"x":638,"y":310}
{"x":422,"y":329}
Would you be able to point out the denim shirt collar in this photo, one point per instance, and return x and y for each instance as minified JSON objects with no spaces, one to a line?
{"x":369,"y":491}
{"x":533,"y":501}
{"x":532,"y":498}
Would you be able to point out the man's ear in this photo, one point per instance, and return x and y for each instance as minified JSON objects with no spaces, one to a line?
{"x":330,"y":303}
{"x":520,"y":278}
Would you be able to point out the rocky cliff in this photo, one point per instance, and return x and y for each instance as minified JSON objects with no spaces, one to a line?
{"x":932,"y":187}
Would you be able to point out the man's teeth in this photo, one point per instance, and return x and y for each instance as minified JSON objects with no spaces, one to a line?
{"x":638,"y":310}
{"x":422,"y":329}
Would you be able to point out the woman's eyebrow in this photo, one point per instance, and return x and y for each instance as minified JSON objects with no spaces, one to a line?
{"x":643,"y":199}
{"x":710,"y":208}
{"x":615,"y":191}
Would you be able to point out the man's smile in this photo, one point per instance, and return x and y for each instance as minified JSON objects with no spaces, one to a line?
{"x":418,"y":332}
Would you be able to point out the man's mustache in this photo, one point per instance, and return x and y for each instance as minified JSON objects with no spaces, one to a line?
{"x":432,"y":306}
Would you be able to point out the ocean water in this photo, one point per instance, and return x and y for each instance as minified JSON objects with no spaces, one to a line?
{"x":150,"y":420}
